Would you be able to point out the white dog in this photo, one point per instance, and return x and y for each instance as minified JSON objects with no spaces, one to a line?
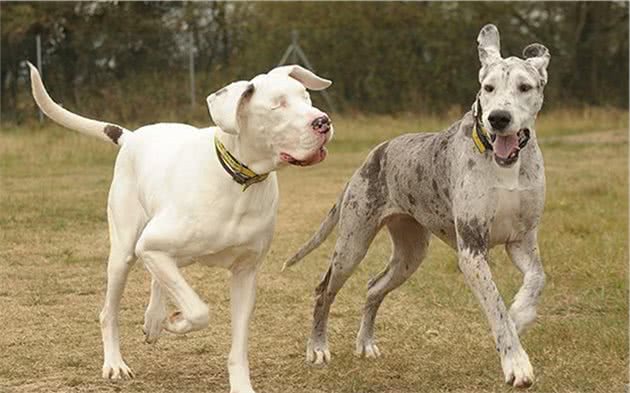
{"x":182,"y":194}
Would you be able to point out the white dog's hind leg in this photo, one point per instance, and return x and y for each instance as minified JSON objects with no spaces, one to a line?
{"x":155,"y":315}
{"x":410,"y":241}
{"x":126,"y":218}
{"x":118,"y":266}
{"x":242,"y":301}
{"x":525,"y":256}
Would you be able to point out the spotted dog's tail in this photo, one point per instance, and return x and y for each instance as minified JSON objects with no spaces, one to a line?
{"x":106,"y":131}
{"x":322,"y":233}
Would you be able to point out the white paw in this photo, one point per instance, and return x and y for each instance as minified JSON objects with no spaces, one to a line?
{"x":518,"y":370}
{"x":117,"y":370}
{"x":244,"y":389}
{"x":177,"y":324}
{"x":523,"y":316}
{"x":368,"y":349}
{"x":153,"y":325}
{"x":317,"y":354}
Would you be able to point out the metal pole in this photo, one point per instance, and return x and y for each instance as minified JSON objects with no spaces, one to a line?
{"x":294,"y":43}
{"x":38,"y":48}
{"x":191,"y":59}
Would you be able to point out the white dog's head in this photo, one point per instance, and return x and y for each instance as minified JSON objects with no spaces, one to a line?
{"x":275,"y":111}
{"x":511,"y":93}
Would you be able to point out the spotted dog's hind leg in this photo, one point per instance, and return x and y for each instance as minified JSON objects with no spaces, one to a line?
{"x":524,"y":254}
{"x":410,"y":241}
{"x":355,"y":237}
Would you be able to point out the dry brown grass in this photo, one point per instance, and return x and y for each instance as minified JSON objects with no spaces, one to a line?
{"x":431,"y":331}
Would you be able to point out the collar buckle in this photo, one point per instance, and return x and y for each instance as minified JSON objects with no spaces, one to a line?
{"x":239,"y":172}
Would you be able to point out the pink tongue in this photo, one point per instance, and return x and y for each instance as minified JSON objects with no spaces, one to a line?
{"x":504,"y":145}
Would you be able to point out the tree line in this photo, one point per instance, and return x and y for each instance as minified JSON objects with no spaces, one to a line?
{"x":128,"y":61}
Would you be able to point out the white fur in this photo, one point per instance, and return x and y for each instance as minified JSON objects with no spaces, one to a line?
{"x":171,"y":203}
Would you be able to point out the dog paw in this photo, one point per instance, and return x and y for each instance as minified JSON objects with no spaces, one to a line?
{"x":317,"y":353}
{"x":247,"y":389}
{"x":117,"y":370}
{"x":367,"y":349}
{"x":522,"y":316}
{"x":177,"y":324}
{"x":152,"y":328}
{"x":518,"y":370}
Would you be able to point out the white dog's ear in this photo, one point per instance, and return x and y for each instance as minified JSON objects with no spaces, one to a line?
{"x":489,"y":45}
{"x":226,"y":105}
{"x":538,"y":55}
{"x":304,"y":76}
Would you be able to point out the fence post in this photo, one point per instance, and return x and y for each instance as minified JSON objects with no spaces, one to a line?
{"x":38,"y":48}
{"x":294,"y":52}
{"x":191,"y":67}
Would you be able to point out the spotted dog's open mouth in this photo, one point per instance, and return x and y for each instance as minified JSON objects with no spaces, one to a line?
{"x":317,"y":157}
{"x":507,"y":147}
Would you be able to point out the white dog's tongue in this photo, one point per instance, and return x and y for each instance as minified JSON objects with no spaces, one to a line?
{"x":504,"y":145}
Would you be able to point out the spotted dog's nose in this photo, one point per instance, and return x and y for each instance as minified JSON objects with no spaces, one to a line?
{"x":321,"y":124}
{"x":499,"y":119}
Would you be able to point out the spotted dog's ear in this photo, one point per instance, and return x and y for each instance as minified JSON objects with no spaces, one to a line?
{"x":489,"y":45}
{"x":538,"y":55}
{"x":302,"y":75}
{"x":226,"y":105}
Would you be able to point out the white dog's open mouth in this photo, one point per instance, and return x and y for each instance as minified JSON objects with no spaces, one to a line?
{"x":317,"y":157}
{"x":507,"y":147}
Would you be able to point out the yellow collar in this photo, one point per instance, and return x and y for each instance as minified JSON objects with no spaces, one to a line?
{"x":481,"y":138}
{"x":239,"y":171}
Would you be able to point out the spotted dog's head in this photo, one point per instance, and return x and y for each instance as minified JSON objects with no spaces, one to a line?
{"x":511,"y":94}
{"x":275,"y":110}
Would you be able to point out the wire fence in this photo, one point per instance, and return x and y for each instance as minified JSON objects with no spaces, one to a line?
{"x":140,"y":62}
{"x":169,"y":81}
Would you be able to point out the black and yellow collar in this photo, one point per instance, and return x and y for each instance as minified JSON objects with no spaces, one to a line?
{"x":481,"y":138}
{"x":480,"y":135}
{"x":239,"y":171}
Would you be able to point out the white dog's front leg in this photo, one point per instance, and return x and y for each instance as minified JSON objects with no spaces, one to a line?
{"x":242,"y":301}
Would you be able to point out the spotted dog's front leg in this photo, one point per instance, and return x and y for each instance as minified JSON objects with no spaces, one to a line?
{"x":524,"y":254}
{"x":472,"y":243}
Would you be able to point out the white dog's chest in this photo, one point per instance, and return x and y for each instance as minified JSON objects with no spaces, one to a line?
{"x":219,"y":238}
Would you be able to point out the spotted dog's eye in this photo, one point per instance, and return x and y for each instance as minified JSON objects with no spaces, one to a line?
{"x":524,"y":87}
{"x":488,"y":88}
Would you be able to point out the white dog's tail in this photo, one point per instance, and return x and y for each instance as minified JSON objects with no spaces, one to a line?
{"x":322,"y":233}
{"x":105,"y":131}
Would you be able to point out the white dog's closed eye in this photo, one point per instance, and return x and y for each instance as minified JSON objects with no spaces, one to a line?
{"x":280,"y":102}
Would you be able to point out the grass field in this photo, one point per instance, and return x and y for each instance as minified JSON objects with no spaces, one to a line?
{"x":432,"y":333}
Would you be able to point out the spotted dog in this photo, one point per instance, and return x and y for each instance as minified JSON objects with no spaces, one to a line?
{"x":478,"y":184}
{"x":182,"y":194}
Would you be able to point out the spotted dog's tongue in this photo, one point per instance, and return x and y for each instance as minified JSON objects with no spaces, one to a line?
{"x":505,"y":145}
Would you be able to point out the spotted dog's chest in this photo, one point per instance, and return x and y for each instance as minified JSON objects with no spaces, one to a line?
{"x":506,"y":221}
{"x":515,"y":205}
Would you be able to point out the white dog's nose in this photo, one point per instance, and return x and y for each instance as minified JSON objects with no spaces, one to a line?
{"x":321,"y":125}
